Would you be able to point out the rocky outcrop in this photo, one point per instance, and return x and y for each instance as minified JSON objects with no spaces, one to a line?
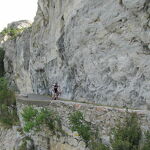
{"x":13,"y":138}
{"x":97,"y":50}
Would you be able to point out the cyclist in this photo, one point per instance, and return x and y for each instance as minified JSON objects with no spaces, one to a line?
{"x":56,"y":91}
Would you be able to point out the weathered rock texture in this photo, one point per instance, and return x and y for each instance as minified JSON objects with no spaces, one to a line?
{"x":9,"y":138}
{"x":97,"y":50}
{"x":105,"y":118}
{"x":17,"y":56}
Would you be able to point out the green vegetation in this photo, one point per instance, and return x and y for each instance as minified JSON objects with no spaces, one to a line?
{"x":146,"y":145}
{"x":127,"y":134}
{"x":2,"y":53}
{"x":84,"y":129}
{"x":98,"y":146}
{"x":79,"y":124}
{"x":36,"y":120}
{"x":13,"y":32}
{"x":8,"y":111}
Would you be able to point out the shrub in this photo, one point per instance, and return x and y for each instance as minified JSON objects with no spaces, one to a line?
{"x":13,"y":32}
{"x":78,"y":123}
{"x":29,"y":114}
{"x":8,"y":111}
{"x":127,"y":135}
{"x":84,"y":129}
{"x":36,"y":119}
{"x":147,"y":141}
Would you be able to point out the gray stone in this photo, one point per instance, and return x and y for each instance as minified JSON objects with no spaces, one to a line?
{"x":97,"y":51}
{"x":9,"y":138}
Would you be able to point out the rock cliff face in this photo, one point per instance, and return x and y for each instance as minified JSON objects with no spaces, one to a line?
{"x":17,"y":56}
{"x":97,"y":50}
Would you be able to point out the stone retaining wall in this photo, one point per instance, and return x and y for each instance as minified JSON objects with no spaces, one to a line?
{"x":103,"y":117}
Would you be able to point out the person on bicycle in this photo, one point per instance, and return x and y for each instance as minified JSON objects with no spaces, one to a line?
{"x":56,"y":90}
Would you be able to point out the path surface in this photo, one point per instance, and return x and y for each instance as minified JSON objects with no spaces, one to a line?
{"x":34,"y":99}
{"x":41,"y":100}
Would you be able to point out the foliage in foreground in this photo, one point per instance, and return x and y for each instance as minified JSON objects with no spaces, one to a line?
{"x":79,"y":124}
{"x":127,"y":135}
{"x":146,"y":145}
{"x":8,"y":110}
{"x":36,"y":120}
{"x":85,"y":131}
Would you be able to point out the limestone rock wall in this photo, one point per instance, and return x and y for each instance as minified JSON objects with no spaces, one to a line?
{"x":17,"y":56}
{"x":97,"y":50}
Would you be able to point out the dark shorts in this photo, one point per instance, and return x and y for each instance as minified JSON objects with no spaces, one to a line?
{"x":55,"y":91}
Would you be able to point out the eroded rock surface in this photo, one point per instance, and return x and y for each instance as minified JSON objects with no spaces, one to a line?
{"x":97,"y":50}
{"x":9,"y":138}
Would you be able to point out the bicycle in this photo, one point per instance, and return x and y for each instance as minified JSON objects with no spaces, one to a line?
{"x":55,"y":95}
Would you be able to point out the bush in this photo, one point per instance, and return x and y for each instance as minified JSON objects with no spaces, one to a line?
{"x":78,"y":123}
{"x":29,"y":114}
{"x":8,"y":110}
{"x":84,"y":128}
{"x":13,"y":32}
{"x":36,"y":119}
{"x":127,"y":135}
{"x":147,"y":141}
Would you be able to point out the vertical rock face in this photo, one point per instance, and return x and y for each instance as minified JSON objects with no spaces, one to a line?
{"x":48,"y":49}
{"x":17,"y":56}
{"x":97,"y":50}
